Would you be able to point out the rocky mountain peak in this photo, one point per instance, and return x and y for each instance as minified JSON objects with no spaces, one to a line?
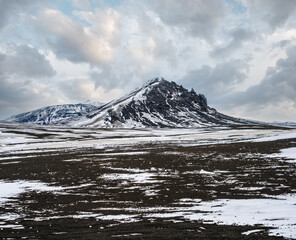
{"x":155,"y":80}
{"x":167,"y":94}
{"x":158,"y":103}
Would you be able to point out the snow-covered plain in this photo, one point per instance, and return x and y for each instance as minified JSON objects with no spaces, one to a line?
{"x":124,"y":176}
{"x":29,"y":137}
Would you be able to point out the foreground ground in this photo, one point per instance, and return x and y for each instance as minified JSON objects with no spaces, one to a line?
{"x":212,"y":183}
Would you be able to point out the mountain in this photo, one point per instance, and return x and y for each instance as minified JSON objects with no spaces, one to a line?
{"x":159,"y":103}
{"x":284,"y":124}
{"x":58,"y":114}
{"x":97,"y":104}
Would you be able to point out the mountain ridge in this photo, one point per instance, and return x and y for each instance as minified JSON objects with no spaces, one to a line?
{"x":158,"y":103}
{"x":55,"y":114}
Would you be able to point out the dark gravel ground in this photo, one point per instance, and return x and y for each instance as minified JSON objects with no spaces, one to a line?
{"x":90,"y":192}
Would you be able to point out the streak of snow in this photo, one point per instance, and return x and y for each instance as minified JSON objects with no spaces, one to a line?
{"x":140,"y":178}
{"x":252,"y":231}
{"x":278,"y":136}
{"x":13,"y":189}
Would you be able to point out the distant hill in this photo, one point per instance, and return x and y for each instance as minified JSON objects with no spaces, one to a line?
{"x":58,"y":114}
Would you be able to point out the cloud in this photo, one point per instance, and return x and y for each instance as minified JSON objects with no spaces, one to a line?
{"x":19,"y":96}
{"x":283,"y":43}
{"x":217,"y":81}
{"x":238,"y":37}
{"x":273,"y":12}
{"x":278,"y":84}
{"x":198,"y":18}
{"x":75,"y":42}
{"x":91,"y":49}
{"x":81,"y":4}
{"x":82,"y":88}
{"x":26,"y":62}
{"x":274,"y":98}
{"x":9,"y":8}
{"x":22,"y":69}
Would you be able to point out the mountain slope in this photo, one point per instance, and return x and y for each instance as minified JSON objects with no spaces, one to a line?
{"x":158,"y":103}
{"x":58,"y":114}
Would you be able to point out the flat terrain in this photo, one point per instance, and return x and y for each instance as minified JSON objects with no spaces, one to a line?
{"x":210,"y":183}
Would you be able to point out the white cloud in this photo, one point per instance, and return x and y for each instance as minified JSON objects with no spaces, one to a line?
{"x":65,"y":68}
{"x":82,"y":88}
{"x":75,"y":42}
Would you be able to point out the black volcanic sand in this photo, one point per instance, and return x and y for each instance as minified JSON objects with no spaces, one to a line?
{"x":73,"y":213}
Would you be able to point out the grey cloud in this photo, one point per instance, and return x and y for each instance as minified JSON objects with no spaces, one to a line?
{"x":239,"y":37}
{"x":104,"y":78}
{"x":115,"y":76}
{"x":9,"y":8}
{"x":25,"y":62}
{"x":199,"y":18}
{"x":215,"y":82}
{"x":274,"y":12}
{"x":20,"y":96}
{"x":76,"y":88}
{"x":20,"y":90}
{"x":283,"y":44}
{"x":278,"y":86}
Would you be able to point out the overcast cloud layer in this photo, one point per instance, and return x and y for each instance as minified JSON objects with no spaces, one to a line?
{"x":240,"y":53}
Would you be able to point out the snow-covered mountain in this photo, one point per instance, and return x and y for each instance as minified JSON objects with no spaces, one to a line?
{"x":58,"y":114}
{"x":97,"y":104}
{"x":284,"y":124}
{"x":159,"y":103}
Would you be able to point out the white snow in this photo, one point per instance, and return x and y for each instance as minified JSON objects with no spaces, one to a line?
{"x":139,"y":178}
{"x":121,"y":153}
{"x":252,"y":231}
{"x":122,"y":218}
{"x":279,"y":213}
{"x":76,"y":138}
{"x":287,"y":153}
{"x":206,"y":172}
{"x":13,"y":189}
{"x":277,"y":136}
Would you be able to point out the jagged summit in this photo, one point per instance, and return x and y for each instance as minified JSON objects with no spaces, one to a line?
{"x":158,"y":103}
{"x":155,"y":80}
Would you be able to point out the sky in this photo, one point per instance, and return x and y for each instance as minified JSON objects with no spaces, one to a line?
{"x":241,"y":54}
